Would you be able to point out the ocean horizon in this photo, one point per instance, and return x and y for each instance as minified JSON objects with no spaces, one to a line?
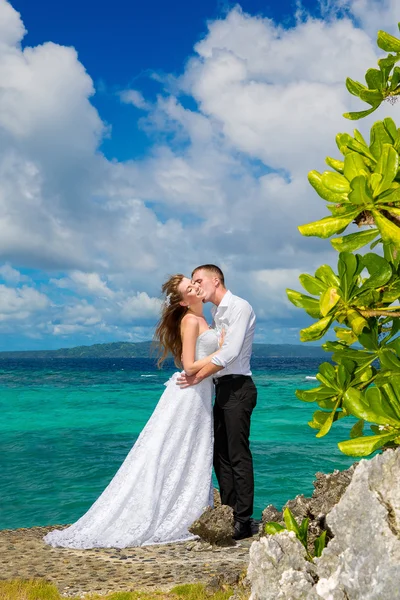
{"x":69,"y":423}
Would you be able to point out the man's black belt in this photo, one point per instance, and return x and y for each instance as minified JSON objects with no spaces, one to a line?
{"x":226,"y":378}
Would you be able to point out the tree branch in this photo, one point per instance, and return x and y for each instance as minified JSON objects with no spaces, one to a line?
{"x":379,"y":313}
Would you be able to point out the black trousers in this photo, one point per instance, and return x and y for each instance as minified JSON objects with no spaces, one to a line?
{"x":234,"y":402}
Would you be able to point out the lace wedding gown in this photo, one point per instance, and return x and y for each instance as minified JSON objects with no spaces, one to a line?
{"x":164,"y":483}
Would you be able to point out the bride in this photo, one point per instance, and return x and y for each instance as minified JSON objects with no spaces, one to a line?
{"x":164,"y":483}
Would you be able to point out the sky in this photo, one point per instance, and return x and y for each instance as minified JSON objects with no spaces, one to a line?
{"x":138,"y":140}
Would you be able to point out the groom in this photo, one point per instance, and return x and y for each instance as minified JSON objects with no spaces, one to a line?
{"x":235,"y":398}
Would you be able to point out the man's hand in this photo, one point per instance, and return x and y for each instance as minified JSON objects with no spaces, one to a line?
{"x":185,"y":381}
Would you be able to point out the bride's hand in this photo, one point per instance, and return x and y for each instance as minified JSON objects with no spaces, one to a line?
{"x":222,"y":337}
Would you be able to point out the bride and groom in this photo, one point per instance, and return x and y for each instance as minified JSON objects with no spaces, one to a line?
{"x":165,"y":482}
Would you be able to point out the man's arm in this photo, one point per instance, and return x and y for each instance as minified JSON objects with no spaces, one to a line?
{"x":185,"y":381}
{"x":234,"y":337}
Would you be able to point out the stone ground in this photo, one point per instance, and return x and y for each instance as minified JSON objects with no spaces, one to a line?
{"x":23,"y":554}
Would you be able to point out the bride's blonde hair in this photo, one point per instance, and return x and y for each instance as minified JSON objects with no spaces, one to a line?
{"x":168,"y":331}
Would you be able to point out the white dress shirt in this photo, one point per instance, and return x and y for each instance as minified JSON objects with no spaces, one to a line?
{"x":237,"y":318}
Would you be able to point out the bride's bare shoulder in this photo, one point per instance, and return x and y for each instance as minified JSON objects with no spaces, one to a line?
{"x":190,"y":322}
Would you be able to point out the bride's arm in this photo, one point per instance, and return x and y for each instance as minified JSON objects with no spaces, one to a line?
{"x":190,"y":333}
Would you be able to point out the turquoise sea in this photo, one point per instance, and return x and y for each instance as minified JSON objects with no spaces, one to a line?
{"x":66,"y":426}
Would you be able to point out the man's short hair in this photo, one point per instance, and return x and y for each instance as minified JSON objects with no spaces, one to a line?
{"x":214,"y":269}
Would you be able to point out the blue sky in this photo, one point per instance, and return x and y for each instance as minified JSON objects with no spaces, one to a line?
{"x":141,"y":139}
{"x":126,"y":44}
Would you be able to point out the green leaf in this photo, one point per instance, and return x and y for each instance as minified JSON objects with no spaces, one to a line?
{"x":388,"y":42}
{"x":303,"y":532}
{"x":335,"y":182}
{"x":357,"y":146}
{"x":356,"y":321}
{"x":386,"y":65}
{"x":327,"y":375}
{"x":316,"y":330}
{"x":343,"y":375}
{"x":392,"y":293}
{"x":310,"y":305}
{"x":320,"y":417}
{"x":325,"y":273}
{"x":319,"y":544}
{"x":338,"y":165}
{"x":392,"y":396}
{"x":360,"y":193}
{"x":358,"y":136}
{"x":354,"y":87}
{"x":329,"y":225}
{"x":372,"y":97}
{"x":348,"y":270}
{"x":316,"y":394}
{"x":354,"y":241}
{"x":369,"y":340}
{"x":315,"y":180}
{"x":389,"y":231}
{"x":390,"y":125}
{"x":272,"y":527}
{"x":366,"y":445}
{"x":360,"y":114}
{"x":369,"y":407}
{"x":312,"y":285}
{"x":373,"y":77}
{"x":347,"y":335}
{"x":329,"y":421}
{"x":379,"y":136}
{"x":328,"y":301}
{"x":389,"y":360}
{"x":395,"y":79}
{"x":357,"y":429}
{"x":360,"y":357}
{"x":353,"y":165}
{"x":379,"y":270}
{"x":290,"y":521}
{"x":387,"y":166}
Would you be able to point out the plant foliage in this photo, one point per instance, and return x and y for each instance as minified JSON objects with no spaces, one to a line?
{"x":301,"y":532}
{"x":360,"y":301}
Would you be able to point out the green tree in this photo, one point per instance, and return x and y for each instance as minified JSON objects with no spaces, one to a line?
{"x":360,"y":301}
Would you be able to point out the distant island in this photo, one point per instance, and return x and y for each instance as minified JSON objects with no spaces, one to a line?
{"x":145,"y":350}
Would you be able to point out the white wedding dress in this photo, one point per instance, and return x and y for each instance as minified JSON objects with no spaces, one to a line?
{"x":164,"y":483}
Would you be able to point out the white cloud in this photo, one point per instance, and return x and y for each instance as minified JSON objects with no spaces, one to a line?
{"x":20,"y":303}
{"x":370,"y":14}
{"x":134,"y":97}
{"x":225,"y":183}
{"x":84,"y":283}
{"x":140,"y":306}
{"x":11,"y":275}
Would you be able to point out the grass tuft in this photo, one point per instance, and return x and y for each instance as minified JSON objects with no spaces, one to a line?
{"x":39,"y":589}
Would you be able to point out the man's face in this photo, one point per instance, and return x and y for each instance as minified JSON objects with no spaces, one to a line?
{"x":207,"y":281}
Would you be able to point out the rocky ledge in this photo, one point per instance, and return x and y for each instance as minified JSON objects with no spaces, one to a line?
{"x":359,"y":508}
{"x":23,"y":554}
{"x":362,"y":559}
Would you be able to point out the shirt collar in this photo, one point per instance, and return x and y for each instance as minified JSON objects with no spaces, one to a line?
{"x":225,"y":300}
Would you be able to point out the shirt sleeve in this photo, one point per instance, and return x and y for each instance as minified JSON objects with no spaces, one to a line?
{"x":234,"y":337}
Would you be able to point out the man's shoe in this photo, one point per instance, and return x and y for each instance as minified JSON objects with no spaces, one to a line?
{"x":255,"y":526}
{"x":241,"y":530}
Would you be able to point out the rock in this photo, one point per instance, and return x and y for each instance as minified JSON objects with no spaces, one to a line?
{"x":299,"y":507}
{"x":362,"y":562}
{"x":328,"y":489}
{"x":217,"y":498}
{"x":215,"y":525}
{"x":278,"y":569}
{"x":271,"y":513}
{"x":226,"y":578}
